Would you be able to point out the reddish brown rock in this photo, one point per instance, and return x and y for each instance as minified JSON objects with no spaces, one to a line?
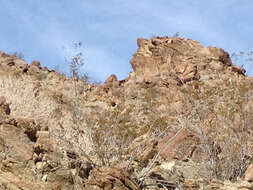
{"x":111,"y":82}
{"x":111,"y":79}
{"x":110,"y":179}
{"x":144,"y":147}
{"x":21,"y":151}
{"x":239,"y":70}
{"x":179,"y":145}
{"x":190,"y":185}
{"x":35,"y":63}
{"x":4,"y":106}
{"x":128,"y":123}
{"x":181,"y":60}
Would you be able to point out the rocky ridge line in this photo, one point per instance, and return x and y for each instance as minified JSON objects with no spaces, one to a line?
{"x":54,"y":148}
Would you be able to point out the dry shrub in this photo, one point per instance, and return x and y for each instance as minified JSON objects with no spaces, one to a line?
{"x":221,"y":122}
{"x":111,"y":133}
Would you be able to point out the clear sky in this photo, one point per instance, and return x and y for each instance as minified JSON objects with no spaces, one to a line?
{"x":109,"y":28}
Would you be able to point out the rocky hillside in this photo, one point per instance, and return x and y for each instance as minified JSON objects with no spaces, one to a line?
{"x":183,"y":119}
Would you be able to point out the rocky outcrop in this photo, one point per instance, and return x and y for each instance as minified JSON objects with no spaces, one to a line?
{"x":180,"y":120}
{"x":183,"y":58}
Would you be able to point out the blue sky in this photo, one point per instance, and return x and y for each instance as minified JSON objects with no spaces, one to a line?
{"x":109,"y":29}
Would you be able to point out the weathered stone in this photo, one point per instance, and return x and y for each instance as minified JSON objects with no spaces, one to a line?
{"x":56,"y":139}
{"x":4,"y":106}
{"x":179,"y":145}
{"x":110,"y":178}
{"x":249,"y":173}
{"x":111,"y":79}
{"x":35,"y":63}
{"x":21,"y":151}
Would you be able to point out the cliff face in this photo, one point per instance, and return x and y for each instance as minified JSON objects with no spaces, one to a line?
{"x":182,"y":119}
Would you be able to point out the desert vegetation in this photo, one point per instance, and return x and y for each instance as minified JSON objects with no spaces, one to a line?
{"x":183,"y":121}
{"x":218,"y":115}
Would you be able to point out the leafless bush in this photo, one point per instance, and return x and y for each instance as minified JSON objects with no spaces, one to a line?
{"x":75,"y":60}
{"x":221,"y":123}
{"x":110,"y":135}
{"x":244,"y":59}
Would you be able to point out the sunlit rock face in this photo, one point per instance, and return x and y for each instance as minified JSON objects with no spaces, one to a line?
{"x":182,"y":119}
{"x":159,"y":55}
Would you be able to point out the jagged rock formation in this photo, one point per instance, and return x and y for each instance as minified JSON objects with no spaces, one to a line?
{"x":181,"y":120}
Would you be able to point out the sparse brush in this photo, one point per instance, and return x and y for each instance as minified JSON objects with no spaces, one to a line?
{"x":221,"y":124}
